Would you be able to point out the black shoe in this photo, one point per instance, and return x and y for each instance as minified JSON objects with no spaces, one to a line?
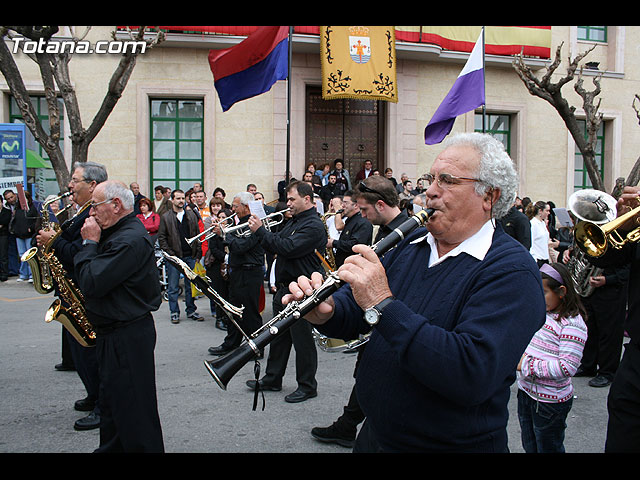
{"x":84,"y":405}
{"x":600,"y":381}
{"x":196,"y":316}
{"x":333,"y":434}
{"x":89,"y":422}
{"x":300,"y":396}
{"x":219,"y":350}
{"x":221,"y":325}
{"x":581,"y":372}
{"x":263,"y":386}
{"x":64,"y":367}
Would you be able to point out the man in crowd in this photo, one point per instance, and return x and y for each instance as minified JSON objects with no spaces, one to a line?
{"x":161,"y":203}
{"x":176,"y":226}
{"x":201,"y":203}
{"x":377,"y":200}
{"x":452,"y":312}
{"x":356,"y":230}
{"x":367,"y":169}
{"x":84,"y":180}
{"x":330,"y":190}
{"x":516,"y":224}
{"x":137,"y":196}
{"x":246,"y":274}
{"x":117,"y":274}
{"x":295,"y":246}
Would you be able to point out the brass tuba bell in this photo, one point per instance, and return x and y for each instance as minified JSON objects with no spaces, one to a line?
{"x":597,"y":231}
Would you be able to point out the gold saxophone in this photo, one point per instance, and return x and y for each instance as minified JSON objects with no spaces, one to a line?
{"x":328,"y":252}
{"x":47,"y":271}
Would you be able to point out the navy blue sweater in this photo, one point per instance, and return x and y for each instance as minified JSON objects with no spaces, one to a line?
{"x":437,"y":371}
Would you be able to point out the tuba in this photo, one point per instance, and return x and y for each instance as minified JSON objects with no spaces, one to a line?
{"x":48,"y":271}
{"x":590,"y":207}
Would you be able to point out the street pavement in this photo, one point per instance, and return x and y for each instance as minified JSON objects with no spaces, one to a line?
{"x":197,"y":416}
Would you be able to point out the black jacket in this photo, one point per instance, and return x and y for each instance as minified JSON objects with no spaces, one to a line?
{"x":5,"y":218}
{"x":244,"y":251}
{"x":23,"y":223}
{"x":356,"y":230}
{"x":517,"y":225}
{"x":69,"y":242}
{"x":628,"y":255}
{"x":296,"y":245}
{"x":119,"y":277}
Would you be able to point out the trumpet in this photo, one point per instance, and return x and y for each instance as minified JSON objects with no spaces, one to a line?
{"x":269,"y":221}
{"x":224,"y":368}
{"x":208,"y":233}
{"x":594,"y":239}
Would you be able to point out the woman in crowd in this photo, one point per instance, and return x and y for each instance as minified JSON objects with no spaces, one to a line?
{"x":149,"y":218}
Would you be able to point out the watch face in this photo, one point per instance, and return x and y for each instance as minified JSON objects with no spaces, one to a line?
{"x":371,"y":316}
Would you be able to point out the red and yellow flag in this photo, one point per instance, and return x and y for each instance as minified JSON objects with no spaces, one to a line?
{"x":358,"y":62}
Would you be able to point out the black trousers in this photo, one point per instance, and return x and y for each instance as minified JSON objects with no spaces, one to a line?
{"x":300,"y":336}
{"x":606,"y":312}
{"x":221,"y":286}
{"x":623,"y":404}
{"x":129,"y":420}
{"x":86,"y":363}
{"x":244,"y":290}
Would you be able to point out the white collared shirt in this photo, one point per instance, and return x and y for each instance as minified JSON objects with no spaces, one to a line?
{"x":477,"y":245}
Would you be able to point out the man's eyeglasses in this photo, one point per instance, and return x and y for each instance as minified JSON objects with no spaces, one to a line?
{"x":446,"y":180}
{"x":95,"y":204}
{"x":363,"y":188}
{"x":74,"y":181}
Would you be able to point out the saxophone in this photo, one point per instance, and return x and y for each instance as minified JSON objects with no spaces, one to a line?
{"x":328,"y":252}
{"x":47,"y":271}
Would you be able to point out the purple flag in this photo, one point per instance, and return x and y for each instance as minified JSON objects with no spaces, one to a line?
{"x":466,"y":94}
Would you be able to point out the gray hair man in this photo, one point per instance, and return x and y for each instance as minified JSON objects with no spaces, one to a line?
{"x":451,"y":311}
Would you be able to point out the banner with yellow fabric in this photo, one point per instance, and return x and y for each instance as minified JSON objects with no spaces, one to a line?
{"x":358,"y":62}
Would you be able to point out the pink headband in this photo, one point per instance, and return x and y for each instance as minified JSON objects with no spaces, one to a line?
{"x":552,"y":272}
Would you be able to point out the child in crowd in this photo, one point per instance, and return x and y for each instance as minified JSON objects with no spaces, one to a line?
{"x":545,"y":391}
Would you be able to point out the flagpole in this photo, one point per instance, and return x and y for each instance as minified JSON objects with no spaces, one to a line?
{"x":484,"y":83}
{"x":286,"y":174}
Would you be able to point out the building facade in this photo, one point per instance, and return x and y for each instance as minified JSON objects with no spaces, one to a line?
{"x":168,"y":127}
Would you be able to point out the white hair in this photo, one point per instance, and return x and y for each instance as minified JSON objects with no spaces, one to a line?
{"x":114,"y":189}
{"x":496,"y":168}
{"x":245,"y":197}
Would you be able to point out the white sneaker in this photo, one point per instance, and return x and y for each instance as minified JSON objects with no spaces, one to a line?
{"x":31,"y":280}
{"x":20,"y":279}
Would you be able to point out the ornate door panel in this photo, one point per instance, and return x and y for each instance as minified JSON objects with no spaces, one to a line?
{"x":348,"y":129}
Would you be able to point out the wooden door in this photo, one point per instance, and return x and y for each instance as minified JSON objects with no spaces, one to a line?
{"x":350,"y":129}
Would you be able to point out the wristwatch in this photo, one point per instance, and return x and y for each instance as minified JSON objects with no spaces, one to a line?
{"x":372,"y":315}
{"x":86,"y":241}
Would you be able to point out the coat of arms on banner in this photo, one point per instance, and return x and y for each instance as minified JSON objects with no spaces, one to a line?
{"x":358,"y":62}
{"x":359,"y":44}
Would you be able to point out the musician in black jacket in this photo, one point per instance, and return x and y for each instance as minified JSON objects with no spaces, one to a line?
{"x":246,"y":274}
{"x":84,"y":179}
{"x":378,"y":201}
{"x":356,"y":230}
{"x":295,"y":246}
{"x":623,"y":402}
{"x":118,"y":276}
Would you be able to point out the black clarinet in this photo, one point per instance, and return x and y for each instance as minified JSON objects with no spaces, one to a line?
{"x":222,"y":369}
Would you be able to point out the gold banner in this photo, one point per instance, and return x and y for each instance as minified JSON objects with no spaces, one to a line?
{"x":358,"y":62}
